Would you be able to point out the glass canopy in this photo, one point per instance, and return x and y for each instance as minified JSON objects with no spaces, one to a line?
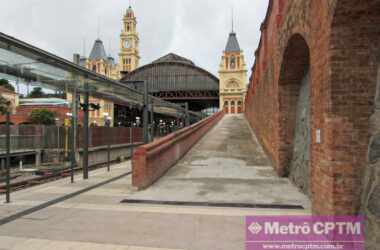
{"x":31,"y":64}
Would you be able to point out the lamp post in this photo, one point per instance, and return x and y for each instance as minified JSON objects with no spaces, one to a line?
{"x":107,"y":123}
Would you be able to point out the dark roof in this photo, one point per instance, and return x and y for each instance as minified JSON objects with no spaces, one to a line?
{"x":232,"y":44}
{"x":98,"y":52}
{"x":172,"y":73}
{"x":171,"y":57}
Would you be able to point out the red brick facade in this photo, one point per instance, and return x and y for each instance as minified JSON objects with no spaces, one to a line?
{"x":338,"y":41}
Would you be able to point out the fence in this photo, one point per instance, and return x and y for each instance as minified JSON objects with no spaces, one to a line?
{"x":31,"y":137}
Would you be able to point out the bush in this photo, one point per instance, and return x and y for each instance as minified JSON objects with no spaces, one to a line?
{"x":42,"y":116}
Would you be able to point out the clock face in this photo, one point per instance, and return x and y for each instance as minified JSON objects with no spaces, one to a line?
{"x":127,"y":44}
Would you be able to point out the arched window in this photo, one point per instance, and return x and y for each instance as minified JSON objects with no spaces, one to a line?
{"x":233,"y":62}
{"x":226,"y":104}
{"x":94,"y":68}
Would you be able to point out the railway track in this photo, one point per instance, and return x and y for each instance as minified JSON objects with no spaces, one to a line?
{"x":45,"y":177}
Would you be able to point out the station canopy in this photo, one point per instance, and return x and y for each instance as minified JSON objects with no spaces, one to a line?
{"x":22,"y":61}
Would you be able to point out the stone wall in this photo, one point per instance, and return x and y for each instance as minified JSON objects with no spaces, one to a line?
{"x":371,"y":181}
{"x":299,"y":166}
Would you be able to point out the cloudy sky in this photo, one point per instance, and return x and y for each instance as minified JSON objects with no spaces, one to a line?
{"x":196,"y":29}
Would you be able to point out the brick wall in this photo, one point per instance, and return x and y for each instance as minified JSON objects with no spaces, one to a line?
{"x":151,"y":161}
{"x":337,"y":41}
{"x":23,"y":112}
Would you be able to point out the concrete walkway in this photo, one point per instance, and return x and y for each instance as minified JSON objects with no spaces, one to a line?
{"x":228,"y":165}
{"x":97,"y":220}
{"x":38,"y":195}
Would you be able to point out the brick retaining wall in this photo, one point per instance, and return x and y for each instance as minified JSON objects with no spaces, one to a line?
{"x":152,"y":161}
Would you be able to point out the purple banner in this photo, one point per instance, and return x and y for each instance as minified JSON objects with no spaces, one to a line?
{"x":305,"y":232}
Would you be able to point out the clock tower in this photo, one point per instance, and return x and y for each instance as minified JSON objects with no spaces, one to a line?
{"x":129,"y":43}
{"x":233,"y":77}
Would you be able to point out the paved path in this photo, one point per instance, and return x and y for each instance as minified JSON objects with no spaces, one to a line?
{"x":38,"y":195}
{"x":97,"y":220}
{"x":228,"y":165}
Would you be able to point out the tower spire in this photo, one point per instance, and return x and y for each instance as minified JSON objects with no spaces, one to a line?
{"x":84,"y":47}
{"x":232,"y":19}
{"x":98,"y":31}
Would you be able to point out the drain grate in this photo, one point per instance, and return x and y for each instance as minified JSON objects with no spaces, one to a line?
{"x":213,"y":204}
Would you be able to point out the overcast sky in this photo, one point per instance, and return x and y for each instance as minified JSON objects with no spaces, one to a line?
{"x":196,"y":29}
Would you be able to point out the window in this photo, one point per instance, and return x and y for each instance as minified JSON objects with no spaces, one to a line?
{"x":226,"y":104}
{"x":233,"y":63}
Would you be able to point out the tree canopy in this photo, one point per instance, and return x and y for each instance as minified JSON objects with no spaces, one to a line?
{"x":5,"y":83}
{"x":42,"y":116}
{"x":37,"y":92}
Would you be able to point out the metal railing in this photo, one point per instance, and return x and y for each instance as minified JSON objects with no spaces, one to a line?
{"x":34,"y":137}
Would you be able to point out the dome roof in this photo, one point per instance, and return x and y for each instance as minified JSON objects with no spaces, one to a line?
{"x":171,"y":57}
{"x":172,"y":73}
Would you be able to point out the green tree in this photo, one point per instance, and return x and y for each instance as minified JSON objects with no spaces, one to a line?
{"x":37,"y":92}
{"x":5,"y":83}
{"x":4,"y":105}
{"x":42,"y":116}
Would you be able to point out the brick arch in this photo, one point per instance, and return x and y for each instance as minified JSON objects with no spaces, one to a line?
{"x":295,"y":64}
{"x":354,"y":39}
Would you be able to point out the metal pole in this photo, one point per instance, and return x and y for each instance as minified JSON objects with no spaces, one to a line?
{"x":58,"y":141}
{"x":131,"y":139}
{"x":152,"y":121}
{"x":85,"y":132}
{"x":108,"y":147}
{"x":72,"y":149}
{"x":146,"y":113}
{"x":73,"y":132}
{"x":8,"y":156}
{"x":187,"y":119}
